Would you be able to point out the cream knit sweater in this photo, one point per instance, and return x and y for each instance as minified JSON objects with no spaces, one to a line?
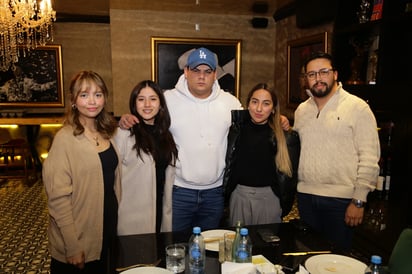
{"x":339,"y":147}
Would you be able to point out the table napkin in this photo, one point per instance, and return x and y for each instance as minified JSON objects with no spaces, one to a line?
{"x":238,"y":268}
{"x":302,"y":270}
{"x":269,"y":268}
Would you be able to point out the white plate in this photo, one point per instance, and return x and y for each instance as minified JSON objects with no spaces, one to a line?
{"x":215,"y":233}
{"x":336,"y":264}
{"x":147,"y":270}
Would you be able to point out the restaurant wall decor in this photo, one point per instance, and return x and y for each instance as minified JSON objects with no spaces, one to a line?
{"x":35,"y":80}
{"x":298,"y":51}
{"x":169,"y":56}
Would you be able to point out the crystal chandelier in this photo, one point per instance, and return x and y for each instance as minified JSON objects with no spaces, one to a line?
{"x":24,"y":25}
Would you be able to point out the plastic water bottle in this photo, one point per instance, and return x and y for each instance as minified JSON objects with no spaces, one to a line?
{"x":244,"y":248}
{"x":197,"y":254}
{"x":376,"y":266}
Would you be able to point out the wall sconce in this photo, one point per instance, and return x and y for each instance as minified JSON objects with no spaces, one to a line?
{"x":50,"y":125}
{"x":9,"y":126}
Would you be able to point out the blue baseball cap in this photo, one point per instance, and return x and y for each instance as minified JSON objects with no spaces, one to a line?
{"x":201,"y":56}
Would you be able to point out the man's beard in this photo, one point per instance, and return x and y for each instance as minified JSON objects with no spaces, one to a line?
{"x":321,"y":93}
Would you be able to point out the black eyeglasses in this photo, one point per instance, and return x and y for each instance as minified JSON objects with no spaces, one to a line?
{"x":323,"y":73}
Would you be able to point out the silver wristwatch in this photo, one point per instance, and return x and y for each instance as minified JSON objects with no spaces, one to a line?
{"x":358,"y":203}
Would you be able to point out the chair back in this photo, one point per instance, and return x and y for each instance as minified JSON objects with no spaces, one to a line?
{"x":400,"y":261}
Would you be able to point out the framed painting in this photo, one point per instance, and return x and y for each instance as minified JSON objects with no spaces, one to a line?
{"x":35,"y":80}
{"x":298,"y":52}
{"x":169,"y":56}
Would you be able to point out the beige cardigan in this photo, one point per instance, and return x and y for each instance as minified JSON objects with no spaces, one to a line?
{"x":73,"y":178}
{"x":137,"y":210}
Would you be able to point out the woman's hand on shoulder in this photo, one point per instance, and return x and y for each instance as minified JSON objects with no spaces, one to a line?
{"x":284,"y":122}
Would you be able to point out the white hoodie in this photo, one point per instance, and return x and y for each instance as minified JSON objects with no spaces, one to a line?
{"x":200,"y":128}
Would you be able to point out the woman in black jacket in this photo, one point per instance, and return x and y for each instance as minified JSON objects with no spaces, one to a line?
{"x":261,"y":162}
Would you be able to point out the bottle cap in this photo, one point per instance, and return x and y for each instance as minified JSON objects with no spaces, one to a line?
{"x":244,"y":231}
{"x":196,"y":230}
{"x":376,"y":259}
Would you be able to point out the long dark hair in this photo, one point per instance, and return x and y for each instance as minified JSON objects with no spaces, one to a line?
{"x":144,"y":139}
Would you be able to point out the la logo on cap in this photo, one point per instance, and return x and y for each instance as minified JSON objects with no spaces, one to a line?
{"x":202,"y":54}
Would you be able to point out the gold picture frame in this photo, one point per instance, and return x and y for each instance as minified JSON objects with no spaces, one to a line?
{"x":36,"y":80}
{"x":298,"y":51}
{"x":168,"y":61}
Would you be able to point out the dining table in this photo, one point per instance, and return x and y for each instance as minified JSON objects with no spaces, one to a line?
{"x":297,"y":243}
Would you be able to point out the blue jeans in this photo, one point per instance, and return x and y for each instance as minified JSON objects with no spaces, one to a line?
{"x":191,"y":207}
{"x":327,"y":216}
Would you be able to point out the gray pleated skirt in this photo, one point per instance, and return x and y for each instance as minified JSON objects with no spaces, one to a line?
{"x":254,"y":205}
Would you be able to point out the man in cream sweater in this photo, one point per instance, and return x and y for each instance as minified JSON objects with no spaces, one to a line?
{"x":339,"y":153}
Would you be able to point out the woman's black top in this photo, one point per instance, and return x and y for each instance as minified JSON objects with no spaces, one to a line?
{"x":254,"y":161}
{"x":109,"y":162}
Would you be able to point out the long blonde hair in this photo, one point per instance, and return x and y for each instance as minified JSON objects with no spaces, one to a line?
{"x":282,"y":159}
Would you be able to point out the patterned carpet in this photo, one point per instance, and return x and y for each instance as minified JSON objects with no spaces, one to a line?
{"x":23,"y":228}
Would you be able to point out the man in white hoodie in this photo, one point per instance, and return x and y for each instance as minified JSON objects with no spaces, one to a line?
{"x":200,"y":113}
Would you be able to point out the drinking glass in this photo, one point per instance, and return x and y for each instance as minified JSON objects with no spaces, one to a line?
{"x":229,"y":238}
{"x":175,"y":258}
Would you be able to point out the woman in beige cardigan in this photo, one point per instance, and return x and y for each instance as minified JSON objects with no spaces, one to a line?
{"x":148,"y":154}
{"x":81,"y":177}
